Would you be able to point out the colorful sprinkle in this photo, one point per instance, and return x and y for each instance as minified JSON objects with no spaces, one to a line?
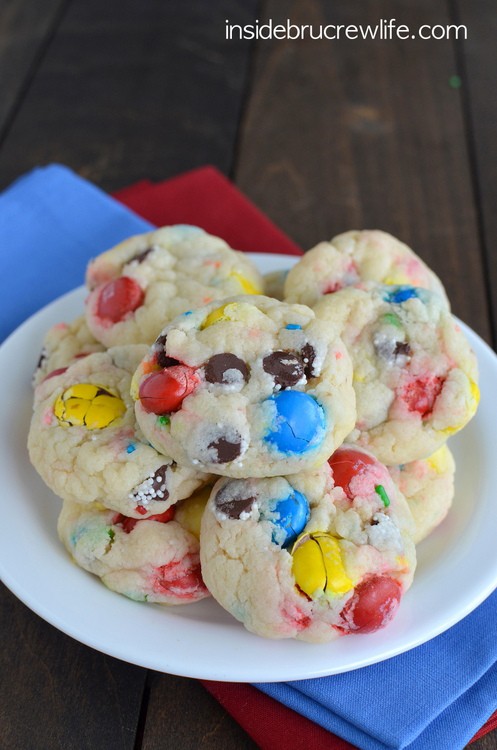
{"x":131,"y":448}
{"x":400,"y":294}
{"x":293,"y":327}
{"x":153,"y":487}
{"x":380,"y":490}
{"x":392,"y":319}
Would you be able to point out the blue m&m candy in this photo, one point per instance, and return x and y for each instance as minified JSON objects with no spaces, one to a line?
{"x":398,"y":294}
{"x":298,"y":422}
{"x":289,"y":515}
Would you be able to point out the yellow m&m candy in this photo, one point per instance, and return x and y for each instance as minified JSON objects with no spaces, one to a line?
{"x":216,"y":316}
{"x":245,"y":284}
{"x":439,"y":461}
{"x":317,"y":565}
{"x":475,"y":396}
{"x":88,"y":405}
{"x":232,"y":311}
{"x":396,"y":279}
{"x":474,"y":400}
{"x":189,"y":512}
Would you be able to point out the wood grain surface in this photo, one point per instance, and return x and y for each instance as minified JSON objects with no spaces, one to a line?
{"x":26,"y":29}
{"x":368,"y":135}
{"x":129,"y":90}
{"x":323,"y":137}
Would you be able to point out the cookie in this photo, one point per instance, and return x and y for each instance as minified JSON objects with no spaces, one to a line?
{"x":64,"y":343}
{"x":85,"y":443}
{"x":252,"y":387}
{"x":355,"y":257}
{"x":297,"y":557}
{"x":140,"y":285}
{"x":415,"y":375}
{"x":428,"y":486}
{"x":148,"y":560}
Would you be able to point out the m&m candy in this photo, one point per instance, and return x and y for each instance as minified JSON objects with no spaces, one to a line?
{"x":118,"y":298}
{"x":189,"y":512}
{"x":317,"y":565}
{"x":128,"y":524}
{"x":372,"y":605}
{"x":221,"y":314}
{"x":245,"y":284}
{"x":347,"y":464}
{"x":88,"y":405}
{"x":298,"y":422}
{"x":420,"y":394}
{"x":163,"y":392}
{"x":289,"y":515}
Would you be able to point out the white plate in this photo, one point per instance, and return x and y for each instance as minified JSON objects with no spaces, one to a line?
{"x":457,"y":565}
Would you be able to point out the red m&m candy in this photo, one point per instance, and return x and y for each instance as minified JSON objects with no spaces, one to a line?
{"x":119,"y":297}
{"x":128,"y":524}
{"x":164,"y":391}
{"x":54,"y":373}
{"x":348,"y":463}
{"x":182,"y":579}
{"x":420,"y":394}
{"x":372,"y":605}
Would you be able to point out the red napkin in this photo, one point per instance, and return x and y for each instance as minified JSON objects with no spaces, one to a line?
{"x":205,"y":197}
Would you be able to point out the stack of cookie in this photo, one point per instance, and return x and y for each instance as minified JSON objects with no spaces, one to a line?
{"x":284,"y":455}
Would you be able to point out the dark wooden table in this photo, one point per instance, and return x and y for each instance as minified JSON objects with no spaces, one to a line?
{"x":324,"y":137}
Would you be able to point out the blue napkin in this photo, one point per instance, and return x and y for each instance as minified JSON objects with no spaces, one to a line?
{"x":51,"y":223}
{"x":434,"y":697}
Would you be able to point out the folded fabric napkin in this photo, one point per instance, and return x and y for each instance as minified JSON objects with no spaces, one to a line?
{"x":435,"y":696}
{"x":206,"y":198}
{"x":51,"y":223}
